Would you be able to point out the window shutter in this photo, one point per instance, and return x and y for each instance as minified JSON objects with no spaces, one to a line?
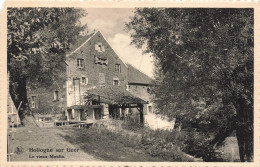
{"x":96,"y":59}
{"x":96,"y":47}
{"x":77,"y":62}
{"x":86,"y":80}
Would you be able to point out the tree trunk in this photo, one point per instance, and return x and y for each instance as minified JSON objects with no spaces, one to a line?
{"x":245,"y":131}
{"x":17,"y":90}
{"x":245,"y":143}
{"x":141,"y":114}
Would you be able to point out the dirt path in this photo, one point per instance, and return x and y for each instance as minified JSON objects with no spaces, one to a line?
{"x":46,"y":138}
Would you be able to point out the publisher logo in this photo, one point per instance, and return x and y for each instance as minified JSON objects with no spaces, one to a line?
{"x":18,"y":150}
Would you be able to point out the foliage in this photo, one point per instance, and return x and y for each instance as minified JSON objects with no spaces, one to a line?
{"x":151,"y":146}
{"x":132,"y":123}
{"x":199,"y":145}
{"x":202,"y":55}
{"x":37,"y":39}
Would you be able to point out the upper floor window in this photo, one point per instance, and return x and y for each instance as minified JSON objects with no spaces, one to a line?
{"x":101,"y":61}
{"x":99,"y":47}
{"x":56,"y":95}
{"x":117,"y":67}
{"x":80,"y":63}
{"x":33,"y":102}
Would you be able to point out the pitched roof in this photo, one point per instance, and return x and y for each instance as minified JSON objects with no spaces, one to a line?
{"x":114,"y":95}
{"x":80,"y":42}
{"x":136,"y":76}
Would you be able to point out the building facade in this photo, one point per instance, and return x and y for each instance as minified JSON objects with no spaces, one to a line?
{"x":90,"y":63}
{"x":93,"y":63}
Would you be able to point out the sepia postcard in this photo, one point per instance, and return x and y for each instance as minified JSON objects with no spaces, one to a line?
{"x":121,"y":83}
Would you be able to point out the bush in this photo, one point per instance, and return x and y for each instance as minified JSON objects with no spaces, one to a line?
{"x":165,"y":144}
{"x":199,"y":145}
{"x":62,"y":118}
{"x":159,"y":143}
{"x":132,"y":123}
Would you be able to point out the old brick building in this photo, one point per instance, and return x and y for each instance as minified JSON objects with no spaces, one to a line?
{"x":91,"y":63}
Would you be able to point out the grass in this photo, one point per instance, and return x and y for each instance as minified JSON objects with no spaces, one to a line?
{"x":44,"y":138}
{"x":106,"y":145}
{"x":159,"y":142}
{"x":116,"y":146}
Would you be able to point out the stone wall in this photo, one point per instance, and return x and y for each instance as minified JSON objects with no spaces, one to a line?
{"x":98,"y":68}
{"x":93,"y":71}
{"x":44,"y":101}
{"x":141,"y":91}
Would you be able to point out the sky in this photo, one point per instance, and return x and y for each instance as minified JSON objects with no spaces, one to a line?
{"x":111,"y":23}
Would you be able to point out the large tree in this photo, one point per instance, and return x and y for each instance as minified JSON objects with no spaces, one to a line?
{"x":37,"y":41}
{"x":202,"y":55}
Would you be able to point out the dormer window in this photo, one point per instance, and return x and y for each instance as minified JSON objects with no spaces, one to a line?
{"x":80,"y":63}
{"x":118,"y":68}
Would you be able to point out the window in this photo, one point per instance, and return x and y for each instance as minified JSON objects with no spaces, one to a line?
{"x":56,"y":95}
{"x":101,"y":61}
{"x":150,"y":109}
{"x":117,"y":67}
{"x":33,"y":102}
{"x":99,"y":47}
{"x":148,"y":90}
{"x":84,"y":80}
{"x":116,"y":82}
{"x":80,"y":63}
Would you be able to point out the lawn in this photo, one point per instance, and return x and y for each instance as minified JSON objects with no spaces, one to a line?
{"x":105,"y":146}
{"x":28,"y":138}
{"x":111,"y":146}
